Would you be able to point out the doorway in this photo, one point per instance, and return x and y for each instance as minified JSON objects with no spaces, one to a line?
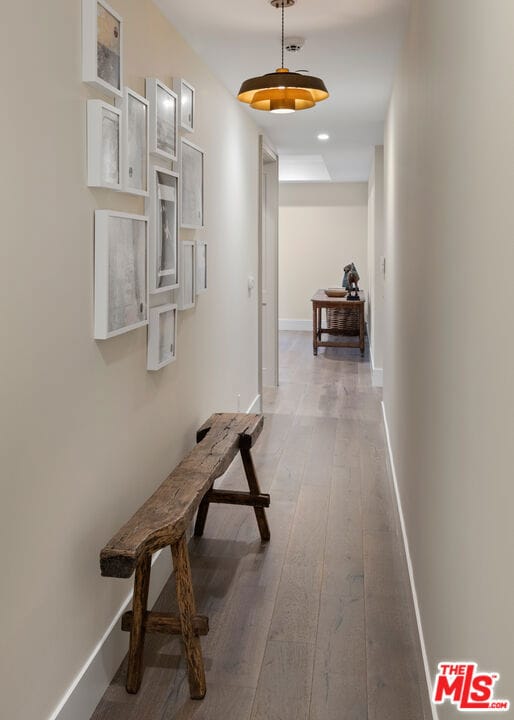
{"x":268,"y":267}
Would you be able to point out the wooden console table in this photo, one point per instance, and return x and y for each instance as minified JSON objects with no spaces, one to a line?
{"x":321,"y":300}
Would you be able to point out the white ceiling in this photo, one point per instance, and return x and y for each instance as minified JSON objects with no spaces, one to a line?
{"x":352,"y":44}
{"x":303,"y":168}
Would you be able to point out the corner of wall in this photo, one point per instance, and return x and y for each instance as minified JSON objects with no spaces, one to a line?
{"x":377,"y":373}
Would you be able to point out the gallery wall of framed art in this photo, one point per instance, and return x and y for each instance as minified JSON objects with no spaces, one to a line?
{"x":135,"y":144}
{"x":103,"y":145}
{"x":192,"y":184}
{"x":102,"y":47}
{"x":201,"y":267}
{"x":187,"y":290}
{"x":163,"y":119}
{"x":121,"y":296}
{"x":163,"y":210}
{"x":186,"y":101}
{"x":162,"y":336}
{"x":135,"y":138}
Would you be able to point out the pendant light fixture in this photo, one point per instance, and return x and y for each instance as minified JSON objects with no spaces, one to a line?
{"x":282,"y":91}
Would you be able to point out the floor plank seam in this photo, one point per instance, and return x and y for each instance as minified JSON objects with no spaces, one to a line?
{"x":273,"y":612}
{"x":364,"y":583}
{"x":323,"y":574}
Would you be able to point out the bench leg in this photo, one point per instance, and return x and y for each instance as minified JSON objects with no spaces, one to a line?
{"x":137,"y":632}
{"x":253,"y":484}
{"x":201,"y":516}
{"x":187,"y":611}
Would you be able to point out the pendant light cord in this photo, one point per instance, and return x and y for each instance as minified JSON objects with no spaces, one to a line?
{"x":282,"y":33}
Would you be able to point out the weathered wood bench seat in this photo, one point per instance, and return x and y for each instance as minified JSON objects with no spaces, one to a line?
{"x":164,"y":519}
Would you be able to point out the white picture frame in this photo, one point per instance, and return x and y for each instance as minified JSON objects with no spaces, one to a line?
{"x":121,"y":294}
{"x":102,"y":47}
{"x":192,"y":168}
{"x":162,"y":336}
{"x":163,"y":119}
{"x":135,"y":142}
{"x":187,"y":103}
{"x":187,"y":290}
{"x":201,"y":267}
{"x":103,"y":145}
{"x":163,"y":211}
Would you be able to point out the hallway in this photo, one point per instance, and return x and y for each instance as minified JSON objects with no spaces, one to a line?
{"x":318,"y":625}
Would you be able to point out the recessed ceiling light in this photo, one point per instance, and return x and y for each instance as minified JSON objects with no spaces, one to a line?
{"x":323,"y":136}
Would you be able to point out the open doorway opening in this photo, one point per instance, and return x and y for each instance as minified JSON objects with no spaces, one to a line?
{"x":268,"y":267}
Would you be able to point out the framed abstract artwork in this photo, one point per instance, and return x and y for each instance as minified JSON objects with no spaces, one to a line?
{"x":102,"y":47}
{"x":201,"y":266}
{"x":120,"y":273}
{"x":162,"y":209}
{"x":187,"y":291}
{"x":192,"y":185}
{"x":163,"y":119}
{"x":134,"y":142}
{"x":103,"y":145}
{"x":162,"y":336}
{"x":186,"y":99}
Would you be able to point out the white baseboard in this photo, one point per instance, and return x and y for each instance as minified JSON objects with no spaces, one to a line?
{"x":302,"y":325}
{"x":377,"y":377}
{"x":255,"y":407}
{"x":92,"y":681}
{"x":428,"y":677}
{"x":377,"y":374}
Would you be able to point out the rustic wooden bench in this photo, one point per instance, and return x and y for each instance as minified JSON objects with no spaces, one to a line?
{"x":164,"y":519}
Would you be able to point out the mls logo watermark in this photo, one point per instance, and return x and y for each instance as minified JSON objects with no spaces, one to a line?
{"x":468,"y":689}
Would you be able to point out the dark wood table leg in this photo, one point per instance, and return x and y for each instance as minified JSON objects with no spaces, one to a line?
{"x":362,"y":328}
{"x":137,"y":631}
{"x":253,"y":484}
{"x":201,"y":516}
{"x":314,"y":329}
{"x":187,"y":612}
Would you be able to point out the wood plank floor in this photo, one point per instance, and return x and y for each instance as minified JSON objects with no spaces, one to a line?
{"x":319,"y":624}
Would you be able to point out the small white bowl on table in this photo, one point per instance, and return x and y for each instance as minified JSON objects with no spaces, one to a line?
{"x":336,"y":292}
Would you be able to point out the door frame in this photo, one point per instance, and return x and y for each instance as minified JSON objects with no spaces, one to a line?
{"x":267,"y":154}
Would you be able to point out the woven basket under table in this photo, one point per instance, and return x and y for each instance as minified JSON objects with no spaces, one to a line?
{"x":343,"y":321}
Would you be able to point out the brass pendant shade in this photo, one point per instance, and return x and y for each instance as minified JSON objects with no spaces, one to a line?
{"x":293,"y":90}
{"x":282,"y":91}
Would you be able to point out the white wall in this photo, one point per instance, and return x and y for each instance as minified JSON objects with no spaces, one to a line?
{"x":375,"y":280}
{"x":86,"y":432}
{"x":269,"y":268}
{"x":449,"y":388}
{"x":322,"y":227}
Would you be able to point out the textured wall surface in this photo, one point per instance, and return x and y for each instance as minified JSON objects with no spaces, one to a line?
{"x":449,"y":391}
{"x":376,"y":251}
{"x":87,"y":433}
